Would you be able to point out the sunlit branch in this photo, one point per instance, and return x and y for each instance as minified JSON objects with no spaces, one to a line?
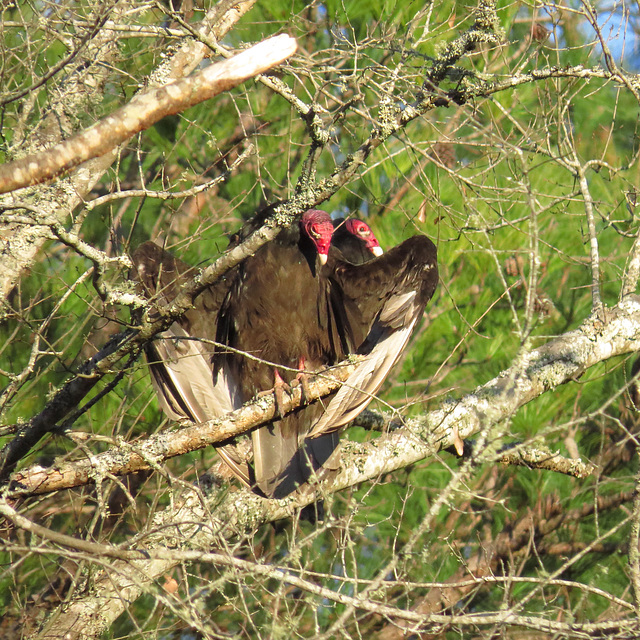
{"x":143,"y":111}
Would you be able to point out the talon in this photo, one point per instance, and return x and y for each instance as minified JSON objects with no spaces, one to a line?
{"x":303,"y":379}
{"x":280,"y":387}
{"x":458,"y":443}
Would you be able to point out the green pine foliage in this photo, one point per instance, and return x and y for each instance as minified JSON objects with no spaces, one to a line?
{"x":490,"y":181}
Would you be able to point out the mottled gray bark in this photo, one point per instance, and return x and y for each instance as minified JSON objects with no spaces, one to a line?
{"x":19,"y":243}
{"x":204,"y":522}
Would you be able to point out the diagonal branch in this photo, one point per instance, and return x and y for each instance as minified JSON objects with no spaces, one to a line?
{"x":229,"y":514}
{"x":127,"y":458}
{"x":143,"y":111}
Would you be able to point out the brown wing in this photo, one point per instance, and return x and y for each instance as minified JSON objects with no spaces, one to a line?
{"x":179,"y":359}
{"x":386,"y":298}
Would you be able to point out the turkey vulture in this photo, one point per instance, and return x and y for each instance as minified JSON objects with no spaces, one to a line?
{"x":355,"y":240}
{"x":180,"y":363}
{"x":318,"y":315}
{"x":372,"y":310}
{"x":276,"y":311}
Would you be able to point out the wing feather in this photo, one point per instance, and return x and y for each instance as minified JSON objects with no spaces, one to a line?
{"x":186,"y":367}
{"x":182,"y":378}
{"x":180,"y":366}
{"x":387,"y":297}
{"x":362,"y":385}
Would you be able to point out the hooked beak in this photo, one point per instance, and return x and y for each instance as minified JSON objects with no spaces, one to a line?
{"x":377,"y":251}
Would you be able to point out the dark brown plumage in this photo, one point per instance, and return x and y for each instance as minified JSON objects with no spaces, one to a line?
{"x":276,"y":311}
{"x":283,"y":306}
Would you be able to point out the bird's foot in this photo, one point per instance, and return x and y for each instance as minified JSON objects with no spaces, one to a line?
{"x":280,"y":388}
{"x":303,"y":379}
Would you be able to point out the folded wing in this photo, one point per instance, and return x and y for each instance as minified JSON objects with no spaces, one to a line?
{"x":385,"y":299}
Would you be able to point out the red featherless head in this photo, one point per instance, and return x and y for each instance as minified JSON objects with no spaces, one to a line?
{"x":317,"y":225}
{"x":362,"y":230}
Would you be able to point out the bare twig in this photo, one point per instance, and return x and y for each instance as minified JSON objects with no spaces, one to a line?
{"x":143,"y":111}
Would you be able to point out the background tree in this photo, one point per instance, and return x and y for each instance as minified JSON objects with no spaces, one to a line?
{"x":504,"y":131}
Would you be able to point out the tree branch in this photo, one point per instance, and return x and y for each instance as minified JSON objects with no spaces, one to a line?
{"x":143,"y":111}
{"x":129,"y":457}
{"x":229,"y":514}
{"x":19,"y":246}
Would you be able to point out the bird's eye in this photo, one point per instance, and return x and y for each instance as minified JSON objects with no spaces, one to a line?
{"x":315,"y":230}
{"x":363,"y":230}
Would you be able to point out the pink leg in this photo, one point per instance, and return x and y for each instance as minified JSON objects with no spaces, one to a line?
{"x":303,"y":379}
{"x":279,"y":389}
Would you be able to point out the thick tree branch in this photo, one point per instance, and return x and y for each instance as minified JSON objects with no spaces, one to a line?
{"x":130,"y":457}
{"x":143,"y":111}
{"x":228,"y":514}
